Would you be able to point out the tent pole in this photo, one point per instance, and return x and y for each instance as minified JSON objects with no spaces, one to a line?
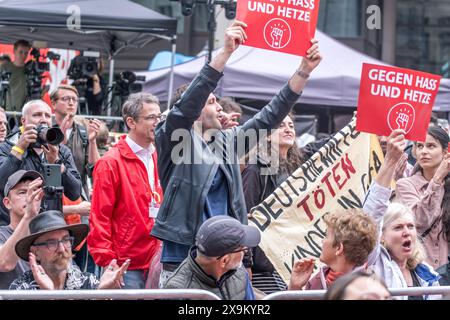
{"x":172,"y":70}
{"x":110,"y":85}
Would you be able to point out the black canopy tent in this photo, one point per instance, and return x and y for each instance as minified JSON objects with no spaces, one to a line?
{"x":108,"y":26}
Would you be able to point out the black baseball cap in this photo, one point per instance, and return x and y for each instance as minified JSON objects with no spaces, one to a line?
{"x":220,"y":235}
{"x":18,"y":176}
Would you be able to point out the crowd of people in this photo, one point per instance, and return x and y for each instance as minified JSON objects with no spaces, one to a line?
{"x":171,"y":199}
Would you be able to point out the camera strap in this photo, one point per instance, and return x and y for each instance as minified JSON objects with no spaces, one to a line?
{"x":84,"y":137}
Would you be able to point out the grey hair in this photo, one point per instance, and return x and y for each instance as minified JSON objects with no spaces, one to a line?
{"x":394,"y":211}
{"x":32,"y":103}
{"x":133,"y":105}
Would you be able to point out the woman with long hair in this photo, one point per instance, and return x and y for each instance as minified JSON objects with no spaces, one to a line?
{"x":259,"y":180}
{"x":399,"y":257}
{"x":427,"y":193}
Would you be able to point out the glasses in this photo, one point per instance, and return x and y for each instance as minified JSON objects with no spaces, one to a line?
{"x":67,"y":99}
{"x":237,"y":251}
{"x":153,"y":117}
{"x":53,"y":244}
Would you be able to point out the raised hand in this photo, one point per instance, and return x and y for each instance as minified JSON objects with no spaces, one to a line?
{"x":93,"y":128}
{"x":51,"y":153}
{"x":112,"y":278}
{"x":443,"y":170}
{"x":301,"y":273}
{"x":39,"y":274}
{"x":234,"y":36}
{"x":228,"y":120}
{"x":28,"y":136}
{"x":313,"y":57}
{"x":395,"y":146}
{"x":66,"y":124}
{"x":35,"y":193}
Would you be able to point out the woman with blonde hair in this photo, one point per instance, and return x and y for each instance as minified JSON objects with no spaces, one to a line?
{"x":398,"y":257}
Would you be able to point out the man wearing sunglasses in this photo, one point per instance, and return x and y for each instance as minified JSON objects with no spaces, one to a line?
{"x":48,"y":249}
{"x":215,"y":262}
{"x":17,"y":93}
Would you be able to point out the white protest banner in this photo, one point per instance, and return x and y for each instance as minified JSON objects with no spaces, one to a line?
{"x":336,"y":177}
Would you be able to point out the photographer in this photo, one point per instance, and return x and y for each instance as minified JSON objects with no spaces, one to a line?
{"x":95,"y":91}
{"x":24,"y":149}
{"x":86,"y":72}
{"x":18,"y":82}
{"x":80,"y":139}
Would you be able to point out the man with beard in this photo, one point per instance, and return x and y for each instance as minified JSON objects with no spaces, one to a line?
{"x":215,"y":263}
{"x":48,"y":249}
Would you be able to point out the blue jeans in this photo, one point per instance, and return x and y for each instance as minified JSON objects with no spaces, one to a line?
{"x":135,"y":279}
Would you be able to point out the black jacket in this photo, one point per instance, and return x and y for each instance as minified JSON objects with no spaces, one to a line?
{"x":187,"y":165}
{"x":9,"y":164}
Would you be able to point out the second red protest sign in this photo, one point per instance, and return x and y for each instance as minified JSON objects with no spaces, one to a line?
{"x":395,"y":98}
{"x":279,"y":25}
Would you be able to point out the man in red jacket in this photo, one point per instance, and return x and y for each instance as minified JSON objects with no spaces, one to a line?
{"x":127,"y":194}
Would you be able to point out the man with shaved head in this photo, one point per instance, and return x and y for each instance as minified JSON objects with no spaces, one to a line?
{"x":20,"y":151}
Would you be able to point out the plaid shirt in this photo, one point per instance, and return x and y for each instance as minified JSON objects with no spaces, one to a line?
{"x":75,"y":280}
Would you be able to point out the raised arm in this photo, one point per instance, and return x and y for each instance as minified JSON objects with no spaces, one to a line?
{"x":377,"y":199}
{"x":8,"y":256}
{"x":188,"y":108}
{"x":281,"y":104}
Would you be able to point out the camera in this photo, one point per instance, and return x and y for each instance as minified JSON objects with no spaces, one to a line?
{"x":126,"y":83}
{"x":34,"y":70}
{"x":4,"y":80}
{"x":53,"y":136}
{"x":4,"y":77}
{"x":4,"y":86}
{"x":84,"y":66}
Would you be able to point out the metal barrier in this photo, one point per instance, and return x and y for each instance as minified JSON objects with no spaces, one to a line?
{"x":126,"y":294}
{"x":89,"y":116}
{"x":319,"y":294}
{"x":152,"y":294}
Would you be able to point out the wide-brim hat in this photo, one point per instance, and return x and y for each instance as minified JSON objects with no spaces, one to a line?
{"x":45,"y":222}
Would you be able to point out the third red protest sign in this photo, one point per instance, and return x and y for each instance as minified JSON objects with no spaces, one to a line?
{"x":279,"y":25}
{"x":395,"y":98}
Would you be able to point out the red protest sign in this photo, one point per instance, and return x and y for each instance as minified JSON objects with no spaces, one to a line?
{"x":279,"y":25}
{"x":395,"y":98}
